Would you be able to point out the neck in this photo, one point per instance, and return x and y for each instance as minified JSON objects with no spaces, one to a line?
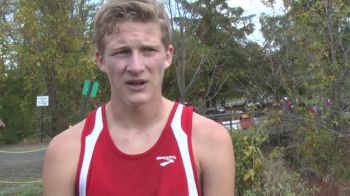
{"x":137,"y":117}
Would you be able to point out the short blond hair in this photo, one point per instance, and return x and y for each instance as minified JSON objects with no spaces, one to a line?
{"x":115,"y":12}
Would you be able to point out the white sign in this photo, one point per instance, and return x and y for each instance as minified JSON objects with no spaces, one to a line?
{"x":42,"y":101}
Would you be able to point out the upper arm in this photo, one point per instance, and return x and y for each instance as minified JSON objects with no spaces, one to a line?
{"x":216,"y":157}
{"x":60,"y":164}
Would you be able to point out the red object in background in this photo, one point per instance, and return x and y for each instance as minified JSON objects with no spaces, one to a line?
{"x":311,"y":109}
{"x":289,"y":105}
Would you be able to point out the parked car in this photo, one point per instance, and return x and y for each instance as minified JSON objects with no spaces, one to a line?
{"x":220,"y":108}
{"x":215,"y":110}
{"x":232,"y":125}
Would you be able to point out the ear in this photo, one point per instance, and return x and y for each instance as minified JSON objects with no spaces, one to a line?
{"x":100,"y":61}
{"x":169,"y":56}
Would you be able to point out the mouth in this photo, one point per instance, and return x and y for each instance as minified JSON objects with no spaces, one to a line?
{"x":136,"y":84}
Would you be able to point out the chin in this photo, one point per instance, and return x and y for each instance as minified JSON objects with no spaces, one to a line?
{"x":138,"y":100}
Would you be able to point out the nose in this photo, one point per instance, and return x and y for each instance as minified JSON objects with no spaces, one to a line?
{"x":136,"y":64}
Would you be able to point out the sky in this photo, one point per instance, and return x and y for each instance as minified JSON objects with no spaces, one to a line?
{"x":256,"y":7}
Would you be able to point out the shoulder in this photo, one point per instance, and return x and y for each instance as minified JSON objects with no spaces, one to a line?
{"x":209,"y":131}
{"x":210,"y":138}
{"x":61,"y":161}
{"x":213,"y":148}
{"x":67,"y":141}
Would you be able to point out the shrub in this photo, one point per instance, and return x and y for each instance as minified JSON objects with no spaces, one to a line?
{"x":276,"y":179}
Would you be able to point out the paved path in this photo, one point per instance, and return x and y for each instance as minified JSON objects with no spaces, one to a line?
{"x":22,"y":162}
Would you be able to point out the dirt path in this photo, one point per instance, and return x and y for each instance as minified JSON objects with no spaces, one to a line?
{"x":21,"y":163}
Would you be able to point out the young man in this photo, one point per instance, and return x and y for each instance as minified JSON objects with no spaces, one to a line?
{"x":139,"y":143}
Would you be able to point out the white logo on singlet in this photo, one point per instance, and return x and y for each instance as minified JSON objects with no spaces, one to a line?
{"x":166,"y":160}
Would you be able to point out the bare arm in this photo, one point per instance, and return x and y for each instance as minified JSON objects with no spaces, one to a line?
{"x":60,"y":163}
{"x":216,"y":157}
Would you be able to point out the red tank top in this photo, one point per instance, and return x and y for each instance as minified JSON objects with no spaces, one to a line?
{"x":167,"y":169}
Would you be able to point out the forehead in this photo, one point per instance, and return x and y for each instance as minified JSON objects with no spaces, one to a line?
{"x":133,"y":33}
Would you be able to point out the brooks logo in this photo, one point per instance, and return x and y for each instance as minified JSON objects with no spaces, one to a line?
{"x":166,"y":160}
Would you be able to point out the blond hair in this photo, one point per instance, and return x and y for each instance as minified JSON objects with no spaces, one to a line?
{"x":115,"y":12}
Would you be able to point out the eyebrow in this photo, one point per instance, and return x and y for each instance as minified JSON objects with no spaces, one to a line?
{"x":143,"y":45}
{"x":123,"y":47}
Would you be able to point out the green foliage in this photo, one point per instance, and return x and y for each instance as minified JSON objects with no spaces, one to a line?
{"x":276,"y":179}
{"x":311,"y":149}
{"x":260,"y":174}
{"x":57,"y":49}
{"x":208,"y":43}
{"x":18,"y":124}
{"x":248,"y":158}
{"x":306,"y":51}
{"x":323,"y":152}
{"x":46,"y":49}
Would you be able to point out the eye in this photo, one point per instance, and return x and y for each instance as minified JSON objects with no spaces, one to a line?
{"x":149,"y":50}
{"x":121,"y":52}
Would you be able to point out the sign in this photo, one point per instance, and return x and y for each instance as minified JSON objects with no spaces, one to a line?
{"x":42,"y":101}
{"x":94,"y":89}
{"x":86,"y":87}
{"x":90,"y":88}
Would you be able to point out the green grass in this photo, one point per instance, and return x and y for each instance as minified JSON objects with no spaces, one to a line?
{"x":21,"y":189}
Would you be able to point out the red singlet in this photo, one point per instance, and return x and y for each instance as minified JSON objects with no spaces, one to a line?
{"x":167,"y":169}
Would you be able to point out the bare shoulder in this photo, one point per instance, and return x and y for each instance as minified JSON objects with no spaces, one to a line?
{"x":213,"y":149}
{"x":61,"y":160}
{"x":67,"y":140}
{"x":209,"y":131}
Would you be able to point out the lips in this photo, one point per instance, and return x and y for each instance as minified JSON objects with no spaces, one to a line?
{"x":136,"y":84}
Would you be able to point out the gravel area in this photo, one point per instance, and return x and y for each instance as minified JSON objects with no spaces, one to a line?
{"x":21,"y":163}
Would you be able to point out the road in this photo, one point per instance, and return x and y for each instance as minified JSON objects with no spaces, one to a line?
{"x":21,"y":163}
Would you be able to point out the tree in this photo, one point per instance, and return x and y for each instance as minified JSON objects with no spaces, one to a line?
{"x":211,"y":29}
{"x":326,"y":46}
{"x":310,"y":46}
{"x":46,"y":49}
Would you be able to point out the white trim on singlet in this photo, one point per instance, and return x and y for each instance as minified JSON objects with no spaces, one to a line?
{"x":182,"y":142}
{"x":90,"y":142}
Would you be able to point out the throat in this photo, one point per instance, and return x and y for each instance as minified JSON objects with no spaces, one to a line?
{"x":137,"y":131}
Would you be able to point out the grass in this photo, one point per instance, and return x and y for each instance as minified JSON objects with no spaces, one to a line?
{"x":19,"y":169}
{"x":34,"y":189}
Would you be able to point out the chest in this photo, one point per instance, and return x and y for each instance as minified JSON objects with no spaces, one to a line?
{"x":158,"y":171}
{"x":167,"y":168}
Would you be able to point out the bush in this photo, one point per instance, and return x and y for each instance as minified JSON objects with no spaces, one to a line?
{"x":248,"y":158}
{"x":258,"y":174}
{"x":276,"y":179}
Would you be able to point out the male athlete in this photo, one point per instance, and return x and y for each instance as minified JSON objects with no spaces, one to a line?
{"x":139,"y":143}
